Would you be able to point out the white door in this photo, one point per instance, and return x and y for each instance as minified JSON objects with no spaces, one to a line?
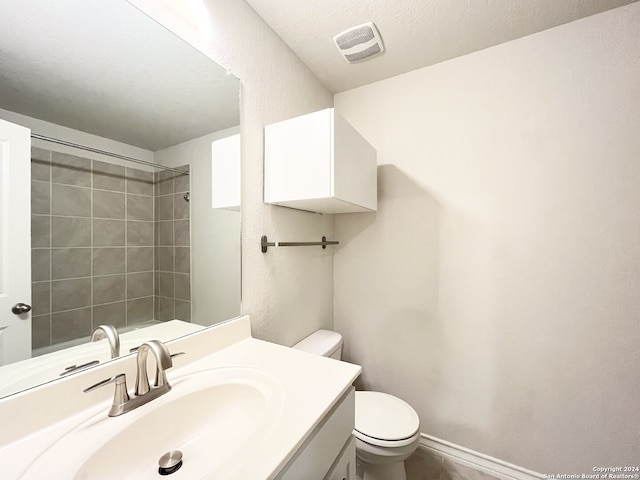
{"x":15,"y":242}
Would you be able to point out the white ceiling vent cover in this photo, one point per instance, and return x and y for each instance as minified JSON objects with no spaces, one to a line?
{"x":359,"y":43}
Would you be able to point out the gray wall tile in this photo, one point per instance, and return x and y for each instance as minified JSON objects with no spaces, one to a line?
{"x":165,"y":309}
{"x":40,"y":154}
{"x":70,"y":232}
{"x":40,"y":331}
{"x":139,"y":310}
{"x":166,"y":284}
{"x":139,"y":259}
{"x":140,"y":234}
{"x":40,"y":197}
{"x":70,"y":263}
{"x":139,"y":285}
{"x":139,"y":207}
{"x":108,"y":289}
{"x":70,"y":325}
{"x":40,"y":231}
{"x":41,"y":298}
{"x":164,"y":207}
{"x":182,"y":235}
{"x":165,"y":182}
{"x":165,"y":233}
{"x":70,"y":170}
{"x":183,"y":259}
{"x":183,"y":310}
{"x":139,"y":182}
{"x":108,"y":261}
{"x":108,"y":204}
{"x":70,"y":201}
{"x":180,"y":207}
{"x":40,"y":264}
{"x":164,"y":259}
{"x":108,"y":233}
{"x":108,"y":177}
{"x":70,"y":294}
{"x":181,"y":182}
{"x":182,"y":287}
{"x":40,"y":164}
{"x":110,"y":314}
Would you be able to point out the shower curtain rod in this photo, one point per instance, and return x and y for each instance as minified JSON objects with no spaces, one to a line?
{"x":103,"y":152}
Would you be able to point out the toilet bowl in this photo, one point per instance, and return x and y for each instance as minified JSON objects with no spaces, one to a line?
{"x":387,"y":429}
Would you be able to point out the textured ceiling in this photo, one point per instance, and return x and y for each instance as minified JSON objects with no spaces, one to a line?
{"x":106,"y":68}
{"x":416,"y":33}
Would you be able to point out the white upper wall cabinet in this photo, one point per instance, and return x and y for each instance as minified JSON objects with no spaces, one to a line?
{"x":320,"y":163}
{"x":225,"y":173}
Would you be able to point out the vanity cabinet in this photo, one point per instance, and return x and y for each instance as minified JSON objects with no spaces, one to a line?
{"x":329,"y":452}
{"x":344,"y":468}
{"x":319,"y":163}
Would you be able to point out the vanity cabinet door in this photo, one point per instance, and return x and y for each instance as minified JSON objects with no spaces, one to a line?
{"x":325,"y":444}
{"x":344,"y":467}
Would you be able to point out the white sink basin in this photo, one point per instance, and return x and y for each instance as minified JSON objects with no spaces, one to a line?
{"x":211,"y":416}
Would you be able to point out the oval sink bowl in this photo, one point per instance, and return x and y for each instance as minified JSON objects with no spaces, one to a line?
{"x":211,"y":417}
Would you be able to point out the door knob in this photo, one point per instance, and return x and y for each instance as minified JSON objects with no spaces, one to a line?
{"x":20,"y":308}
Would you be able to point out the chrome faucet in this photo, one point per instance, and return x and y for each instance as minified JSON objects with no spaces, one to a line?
{"x":144,"y":392}
{"x":111,"y":334}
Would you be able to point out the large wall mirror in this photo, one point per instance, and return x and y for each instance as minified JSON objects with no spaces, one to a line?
{"x":124,"y":117}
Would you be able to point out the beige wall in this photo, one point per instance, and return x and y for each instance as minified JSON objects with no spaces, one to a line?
{"x":288,"y":293}
{"x":497,"y":287}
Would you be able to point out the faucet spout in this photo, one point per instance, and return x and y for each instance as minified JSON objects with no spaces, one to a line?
{"x":111,"y":334}
{"x":163,"y":362}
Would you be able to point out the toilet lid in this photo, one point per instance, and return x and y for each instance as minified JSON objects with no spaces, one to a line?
{"x":380,"y":416}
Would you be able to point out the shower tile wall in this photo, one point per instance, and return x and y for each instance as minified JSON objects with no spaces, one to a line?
{"x":92,"y":229}
{"x":173,"y":253}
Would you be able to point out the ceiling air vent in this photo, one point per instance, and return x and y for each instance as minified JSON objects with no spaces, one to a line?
{"x":359,"y":43}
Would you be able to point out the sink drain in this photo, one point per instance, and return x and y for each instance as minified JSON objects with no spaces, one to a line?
{"x":170,"y":462}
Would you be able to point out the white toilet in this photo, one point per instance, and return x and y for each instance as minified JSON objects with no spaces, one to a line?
{"x":387,"y":429}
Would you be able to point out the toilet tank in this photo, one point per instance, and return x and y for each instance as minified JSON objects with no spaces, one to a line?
{"x":322,"y":342}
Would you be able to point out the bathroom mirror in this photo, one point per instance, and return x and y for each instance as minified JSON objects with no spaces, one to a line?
{"x":113,"y":241}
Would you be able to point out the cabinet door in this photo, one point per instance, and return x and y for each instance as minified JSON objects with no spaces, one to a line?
{"x":344,"y":467}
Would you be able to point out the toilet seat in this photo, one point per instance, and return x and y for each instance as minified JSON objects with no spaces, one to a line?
{"x":385,"y":420}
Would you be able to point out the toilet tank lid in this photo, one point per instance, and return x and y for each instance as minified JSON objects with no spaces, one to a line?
{"x":320,"y":342}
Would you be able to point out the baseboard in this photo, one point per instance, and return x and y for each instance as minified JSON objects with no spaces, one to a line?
{"x":477,"y":461}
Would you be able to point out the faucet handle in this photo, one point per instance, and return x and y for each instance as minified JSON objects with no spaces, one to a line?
{"x":120,"y":396}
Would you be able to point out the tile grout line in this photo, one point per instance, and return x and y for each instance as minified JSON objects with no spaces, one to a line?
{"x":173,"y":241}
{"x":126,"y":247}
{"x":91,"y":257}
{"x":50,"y":154}
{"x":156,"y":236}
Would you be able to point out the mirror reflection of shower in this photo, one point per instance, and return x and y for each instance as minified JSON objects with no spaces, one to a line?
{"x":110,"y":245}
